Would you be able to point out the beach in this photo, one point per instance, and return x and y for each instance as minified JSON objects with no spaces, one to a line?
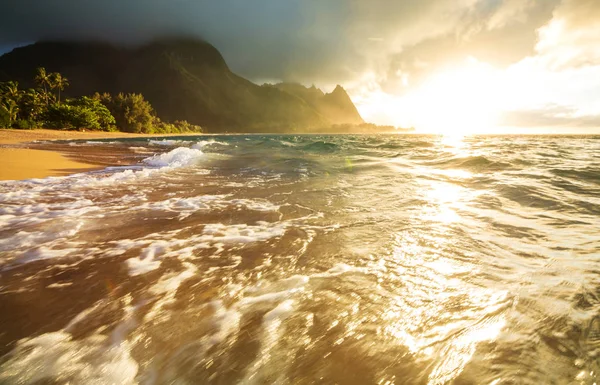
{"x":25,"y":158}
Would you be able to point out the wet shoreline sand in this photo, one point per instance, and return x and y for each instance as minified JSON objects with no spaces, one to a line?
{"x":24,"y":158}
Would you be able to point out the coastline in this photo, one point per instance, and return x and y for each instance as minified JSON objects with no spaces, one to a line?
{"x":13,"y":136}
{"x":24,"y":161}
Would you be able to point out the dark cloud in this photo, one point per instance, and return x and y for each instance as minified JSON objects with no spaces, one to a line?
{"x":303,"y":40}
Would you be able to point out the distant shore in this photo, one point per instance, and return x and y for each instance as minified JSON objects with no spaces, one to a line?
{"x":21,"y":162}
{"x":10,"y":136}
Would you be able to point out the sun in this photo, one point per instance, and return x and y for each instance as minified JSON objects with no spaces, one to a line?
{"x":459,"y":101}
{"x":456,"y":100}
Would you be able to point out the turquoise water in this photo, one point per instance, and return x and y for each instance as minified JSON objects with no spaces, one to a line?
{"x":349,"y":259}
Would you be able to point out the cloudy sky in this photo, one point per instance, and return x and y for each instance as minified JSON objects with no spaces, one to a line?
{"x":438,"y":65}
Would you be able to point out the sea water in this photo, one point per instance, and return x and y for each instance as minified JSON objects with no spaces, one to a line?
{"x":307,"y":259}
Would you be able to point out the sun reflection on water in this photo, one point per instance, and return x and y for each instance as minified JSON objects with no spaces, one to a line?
{"x":440,"y":315}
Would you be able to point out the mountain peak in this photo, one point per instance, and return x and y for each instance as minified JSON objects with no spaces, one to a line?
{"x":188,"y":49}
{"x":184,"y":79}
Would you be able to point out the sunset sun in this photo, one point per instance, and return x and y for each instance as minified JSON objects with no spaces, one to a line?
{"x":459,"y":101}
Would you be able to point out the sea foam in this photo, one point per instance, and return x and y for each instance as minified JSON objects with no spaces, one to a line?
{"x":179,"y":157}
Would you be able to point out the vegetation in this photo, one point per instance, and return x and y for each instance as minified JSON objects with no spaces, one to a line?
{"x":44,"y":107}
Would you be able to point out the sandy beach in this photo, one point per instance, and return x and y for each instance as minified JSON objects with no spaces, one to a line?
{"x":22,"y":162}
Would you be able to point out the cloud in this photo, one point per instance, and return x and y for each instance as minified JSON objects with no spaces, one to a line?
{"x":550,"y":116}
{"x":570,"y":39}
{"x":309,"y":41}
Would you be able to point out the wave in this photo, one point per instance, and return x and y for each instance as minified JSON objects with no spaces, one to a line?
{"x":168,"y":142}
{"x":475,"y":162}
{"x":588,"y":174}
{"x":321,"y":147}
{"x":203,"y":143}
{"x":179,"y":157}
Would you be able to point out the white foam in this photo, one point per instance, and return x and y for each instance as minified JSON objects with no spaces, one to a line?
{"x":148,"y":259}
{"x":203,"y":143}
{"x":167,"y":142}
{"x":186,"y":206}
{"x":242,"y":233}
{"x":179,"y":157}
{"x":140,"y":149}
{"x":171,"y":283}
{"x":271,"y":333}
{"x":41,"y":253}
{"x":57,"y":357}
{"x":256,"y":205}
{"x":226,"y":321}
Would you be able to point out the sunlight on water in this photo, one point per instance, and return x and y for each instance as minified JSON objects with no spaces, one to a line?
{"x":350,"y":259}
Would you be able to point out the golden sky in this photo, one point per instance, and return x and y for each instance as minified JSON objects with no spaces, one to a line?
{"x":526,"y":66}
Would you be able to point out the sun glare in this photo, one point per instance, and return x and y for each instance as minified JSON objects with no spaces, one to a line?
{"x":459,"y":101}
{"x":464,"y":99}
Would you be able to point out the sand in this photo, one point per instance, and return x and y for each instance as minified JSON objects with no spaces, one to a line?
{"x":20,"y":162}
{"x":21,"y":136}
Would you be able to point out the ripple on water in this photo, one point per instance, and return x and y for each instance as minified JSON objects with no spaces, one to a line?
{"x":307,"y":259}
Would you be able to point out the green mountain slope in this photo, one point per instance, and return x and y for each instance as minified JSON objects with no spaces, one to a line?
{"x":184,"y":79}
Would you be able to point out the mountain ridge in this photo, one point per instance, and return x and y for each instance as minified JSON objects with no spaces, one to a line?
{"x":184,"y":79}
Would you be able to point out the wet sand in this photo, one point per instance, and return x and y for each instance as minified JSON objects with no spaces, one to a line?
{"x":23,"y":159}
{"x":21,"y":136}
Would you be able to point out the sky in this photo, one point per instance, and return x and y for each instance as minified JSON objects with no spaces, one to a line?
{"x":437,"y":65}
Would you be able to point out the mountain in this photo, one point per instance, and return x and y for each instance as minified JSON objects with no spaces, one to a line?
{"x":184,"y":79}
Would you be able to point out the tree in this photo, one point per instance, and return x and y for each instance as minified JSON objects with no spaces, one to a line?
{"x":64,"y":116}
{"x":43,"y":80}
{"x":58,"y":82}
{"x":11,"y":90}
{"x":105,"y":118}
{"x":10,"y":109}
{"x":31,"y":105}
{"x":131,"y":111}
{"x":9,"y":100}
{"x":4,"y":119}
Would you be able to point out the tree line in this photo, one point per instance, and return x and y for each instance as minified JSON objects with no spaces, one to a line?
{"x":43,"y":107}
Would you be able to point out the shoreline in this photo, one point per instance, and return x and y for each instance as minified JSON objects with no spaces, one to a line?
{"x":23,"y":161}
{"x":14,"y":136}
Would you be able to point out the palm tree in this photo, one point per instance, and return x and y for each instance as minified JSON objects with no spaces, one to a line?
{"x":31,"y":104}
{"x":59,"y":82}
{"x":10,"y":95}
{"x":11,"y":108}
{"x":11,"y":90}
{"x":44,"y":80}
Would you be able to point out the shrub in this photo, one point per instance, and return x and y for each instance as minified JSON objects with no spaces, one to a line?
{"x":105,"y":119}
{"x":131,"y":111}
{"x":24,"y":124}
{"x":4,"y":119}
{"x":184,"y":126}
{"x":64,"y":116}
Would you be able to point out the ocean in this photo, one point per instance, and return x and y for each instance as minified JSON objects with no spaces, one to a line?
{"x":307,"y":259}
